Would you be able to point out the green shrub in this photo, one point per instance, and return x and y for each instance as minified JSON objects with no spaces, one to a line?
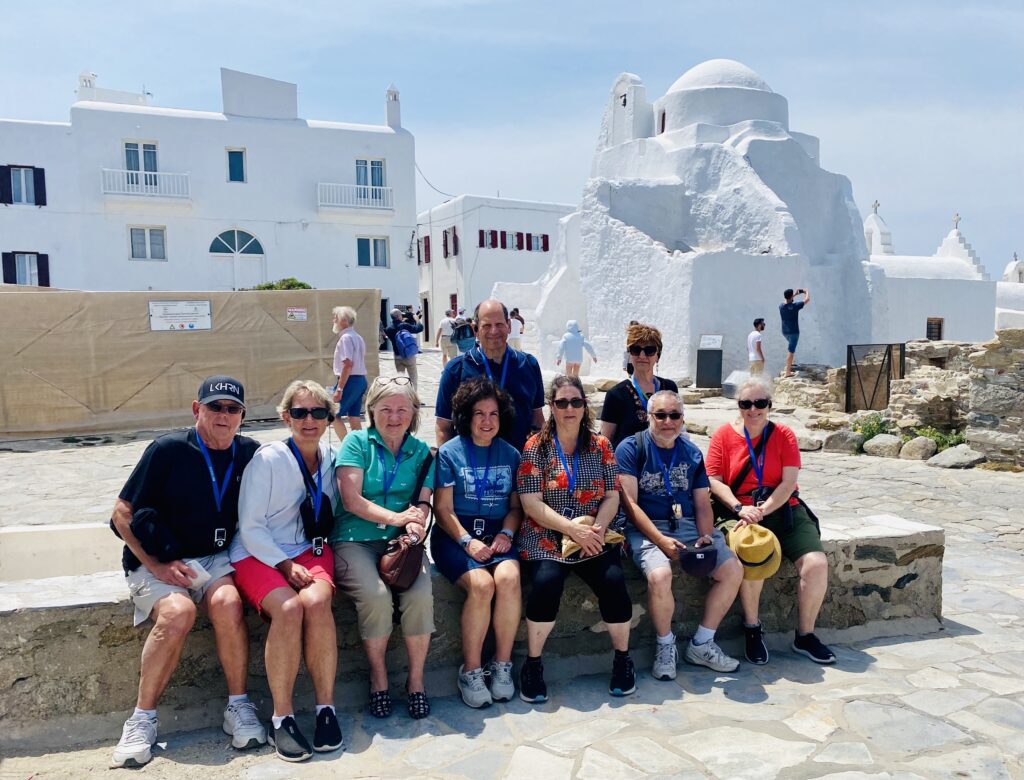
{"x":942,"y":440}
{"x":872,"y":425}
{"x":288,"y":283}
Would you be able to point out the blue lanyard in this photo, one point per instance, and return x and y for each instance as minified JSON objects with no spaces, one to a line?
{"x":666,"y":472}
{"x":504,"y":366}
{"x":757,"y":466}
{"x":389,"y":479}
{"x":480,"y":486}
{"x":570,"y":476}
{"x":640,"y":393}
{"x":221,"y":490}
{"x":307,"y":480}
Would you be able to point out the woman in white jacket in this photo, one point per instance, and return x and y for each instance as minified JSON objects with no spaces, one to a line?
{"x":285,"y":569}
{"x":571,"y":348}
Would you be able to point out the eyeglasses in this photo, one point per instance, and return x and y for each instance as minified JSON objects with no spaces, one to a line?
{"x":650,"y":350}
{"x":392,"y":380}
{"x":565,"y":403}
{"x":299,"y":413}
{"x":667,"y":415}
{"x":217,"y":407}
{"x":760,"y":403}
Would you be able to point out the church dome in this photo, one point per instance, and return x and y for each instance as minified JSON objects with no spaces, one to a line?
{"x":720,"y":73}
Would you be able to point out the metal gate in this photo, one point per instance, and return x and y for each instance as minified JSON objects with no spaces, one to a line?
{"x":869,"y":370}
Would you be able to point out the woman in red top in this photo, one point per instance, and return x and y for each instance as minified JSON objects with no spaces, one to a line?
{"x":762,"y":497}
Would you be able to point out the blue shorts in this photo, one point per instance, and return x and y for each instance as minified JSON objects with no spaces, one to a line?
{"x":791,"y":340}
{"x":351,"y":403}
{"x":453,"y":561}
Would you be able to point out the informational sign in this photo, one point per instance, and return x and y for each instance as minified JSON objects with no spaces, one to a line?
{"x":710,"y":342}
{"x":297,"y":314}
{"x":179,"y":315}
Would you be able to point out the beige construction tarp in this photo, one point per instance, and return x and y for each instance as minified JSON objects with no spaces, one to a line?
{"x":73,"y":362}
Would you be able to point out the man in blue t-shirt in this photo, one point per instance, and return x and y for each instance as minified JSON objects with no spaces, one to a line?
{"x":790,"y":314}
{"x":665,"y":493}
{"x":518,"y":373}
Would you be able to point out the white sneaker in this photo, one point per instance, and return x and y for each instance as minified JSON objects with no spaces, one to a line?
{"x":665,"y":661}
{"x":473,"y":688}
{"x":137,"y":740}
{"x":243,"y":725}
{"x":502,"y":686}
{"x":710,"y":655}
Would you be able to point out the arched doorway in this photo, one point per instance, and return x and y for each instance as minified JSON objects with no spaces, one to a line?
{"x":239,"y":260}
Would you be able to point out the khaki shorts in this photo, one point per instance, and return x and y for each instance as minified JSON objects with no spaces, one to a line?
{"x":756,"y":367}
{"x":146,"y":590}
{"x":448,"y":348}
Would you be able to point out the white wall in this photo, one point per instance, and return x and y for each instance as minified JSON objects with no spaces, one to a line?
{"x":967,"y":307}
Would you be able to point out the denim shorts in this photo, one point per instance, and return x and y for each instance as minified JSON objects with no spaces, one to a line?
{"x":791,"y":340}
{"x":351,"y":403}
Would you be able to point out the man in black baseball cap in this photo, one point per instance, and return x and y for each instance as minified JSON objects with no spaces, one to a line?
{"x":184,"y":493}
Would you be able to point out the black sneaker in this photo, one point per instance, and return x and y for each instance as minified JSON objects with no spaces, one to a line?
{"x":623,"y":676}
{"x":327,"y":736}
{"x":812,"y":647}
{"x":756,"y":650}
{"x":289,"y":742}
{"x":532,"y":688}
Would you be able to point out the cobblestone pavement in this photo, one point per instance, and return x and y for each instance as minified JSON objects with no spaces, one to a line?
{"x":946,"y":704}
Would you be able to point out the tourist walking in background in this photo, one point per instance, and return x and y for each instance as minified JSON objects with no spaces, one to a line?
{"x":753,"y":465}
{"x":569,"y":486}
{"x":443,"y":338}
{"x":350,"y":370}
{"x":755,"y":352}
{"x":401,"y":333}
{"x":384,"y":476}
{"x":284,"y":569}
{"x":571,"y":348}
{"x":789,"y":311}
{"x":625,"y":406}
{"x":517,"y":325}
{"x":478,"y":514}
{"x":463,"y":335}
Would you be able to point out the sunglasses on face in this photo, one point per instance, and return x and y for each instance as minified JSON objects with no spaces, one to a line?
{"x":298,"y":413}
{"x":650,"y":350}
{"x":760,"y":403}
{"x":565,"y":403}
{"x":216,"y":407}
{"x":667,"y":415}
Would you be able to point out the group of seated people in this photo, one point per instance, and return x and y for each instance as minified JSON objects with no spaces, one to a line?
{"x":213,"y":519}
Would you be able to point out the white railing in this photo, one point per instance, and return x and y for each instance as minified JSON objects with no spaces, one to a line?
{"x":354,"y":196}
{"x":144,"y":183}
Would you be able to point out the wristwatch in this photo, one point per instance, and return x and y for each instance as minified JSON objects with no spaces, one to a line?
{"x":737,"y":507}
{"x":507,"y":533}
{"x":465,"y":539}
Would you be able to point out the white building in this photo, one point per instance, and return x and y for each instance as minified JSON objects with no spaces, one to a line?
{"x":129,"y":196}
{"x":469,"y":243}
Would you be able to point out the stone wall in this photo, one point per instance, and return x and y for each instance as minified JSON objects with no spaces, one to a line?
{"x":996,"y":407}
{"x":69,"y":656}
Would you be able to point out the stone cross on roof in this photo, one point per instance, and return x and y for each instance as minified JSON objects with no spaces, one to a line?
{"x":956,"y":221}
{"x":875,"y":205}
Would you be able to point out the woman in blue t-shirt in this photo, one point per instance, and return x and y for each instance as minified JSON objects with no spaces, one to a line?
{"x":478,"y":512}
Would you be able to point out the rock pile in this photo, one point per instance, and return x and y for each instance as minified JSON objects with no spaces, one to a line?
{"x":929,"y":396}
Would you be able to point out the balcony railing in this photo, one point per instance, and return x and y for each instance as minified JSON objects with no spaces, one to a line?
{"x":145,"y":183}
{"x":354,"y":196}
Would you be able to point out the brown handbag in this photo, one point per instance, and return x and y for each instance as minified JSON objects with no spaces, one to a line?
{"x":402,"y":560}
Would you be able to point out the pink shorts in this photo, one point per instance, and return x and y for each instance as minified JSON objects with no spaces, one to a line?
{"x":255,"y":579}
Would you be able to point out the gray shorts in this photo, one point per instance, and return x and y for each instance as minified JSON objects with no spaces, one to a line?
{"x":648,"y":557}
{"x":146,"y":590}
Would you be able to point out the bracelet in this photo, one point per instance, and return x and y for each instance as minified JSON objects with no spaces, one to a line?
{"x":464,"y":540}
{"x":507,"y":533}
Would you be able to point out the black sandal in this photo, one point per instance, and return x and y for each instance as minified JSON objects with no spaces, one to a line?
{"x":417,"y":703}
{"x":380,"y":703}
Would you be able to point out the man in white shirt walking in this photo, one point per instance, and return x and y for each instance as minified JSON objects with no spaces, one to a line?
{"x":443,"y":339}
{"x":515,"y":336}
{"x":755,"y":353}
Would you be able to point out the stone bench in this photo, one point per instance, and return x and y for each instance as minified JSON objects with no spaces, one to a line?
{"x":69,"y":656}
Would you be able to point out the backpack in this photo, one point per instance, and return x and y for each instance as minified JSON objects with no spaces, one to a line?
{"x":405,"y":344}
{"x":463,"y":332}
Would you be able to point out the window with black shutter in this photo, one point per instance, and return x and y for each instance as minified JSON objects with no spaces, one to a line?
{"x":39,"y":177}
{"x":10,"y":272}
{"x":22,"y":184}
{"x":455,"y":241}
{"x":43,"y":270}
{"x":5,"y":185}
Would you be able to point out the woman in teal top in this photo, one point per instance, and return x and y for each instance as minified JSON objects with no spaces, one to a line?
{"x":377,"y":471}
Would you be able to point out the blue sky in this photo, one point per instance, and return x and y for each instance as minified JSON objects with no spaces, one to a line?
{"x":920,"y":104}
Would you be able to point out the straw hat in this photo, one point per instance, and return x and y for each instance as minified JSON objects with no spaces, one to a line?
{"x":757,"y":549}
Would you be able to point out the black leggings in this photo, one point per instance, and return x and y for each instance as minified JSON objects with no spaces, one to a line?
{"x":603,"y":576}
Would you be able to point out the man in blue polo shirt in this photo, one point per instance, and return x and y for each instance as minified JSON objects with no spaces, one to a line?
{"x":517,"y":372}
{"x":789,"y":312}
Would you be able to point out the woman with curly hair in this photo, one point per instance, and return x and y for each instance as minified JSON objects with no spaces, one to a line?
{"x":569,"y":486}
{"x":479,"y":513}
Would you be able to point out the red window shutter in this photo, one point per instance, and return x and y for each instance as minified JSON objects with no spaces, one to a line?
{"x":481,"y":239}
{"x":544,"y":243}
{"x":455,"y":241}
{"x":43,"y":270}
{"x":494,"y":239}
{"x":444,"y":243}
{"x":504,"y":240}
{"x":529,"y":242}
{"x":426,"y":249}
{"x":519,"y":241}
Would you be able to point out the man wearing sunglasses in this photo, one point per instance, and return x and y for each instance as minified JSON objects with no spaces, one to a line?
{"x":517,"y":373}
{"x":177,"y":515}
{"x":667,"y":500}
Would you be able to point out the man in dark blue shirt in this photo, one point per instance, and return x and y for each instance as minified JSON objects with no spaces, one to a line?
{"x":403,"y":321}
{"x":790,"y":314}
{"x":518,"y":373}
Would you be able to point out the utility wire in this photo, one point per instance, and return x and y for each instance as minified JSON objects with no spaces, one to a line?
{"x":435,"y":189}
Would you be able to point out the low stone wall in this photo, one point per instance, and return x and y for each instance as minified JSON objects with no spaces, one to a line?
{"x":69,"y":656}
{"x":994,"y":423}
